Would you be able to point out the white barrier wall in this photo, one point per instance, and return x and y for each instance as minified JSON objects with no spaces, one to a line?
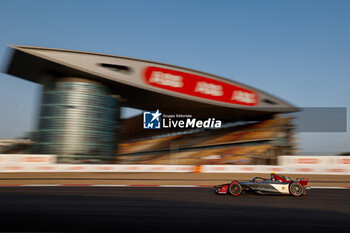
{"x":332,"y":165}
{"x":96,"y":168}
{"x":19,"y":159}
{"x":316,"y":164}
{"x":242,"y":169}
{"x":335,"y":170}
{"x":5,"y":159}
{"x":289,"y":160}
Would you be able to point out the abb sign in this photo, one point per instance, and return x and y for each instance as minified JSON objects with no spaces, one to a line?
{"x":199,"y":86}
{"x":307,"y":161}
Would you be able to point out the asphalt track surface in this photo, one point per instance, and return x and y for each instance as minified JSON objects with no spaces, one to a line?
{"x":151,"y":209}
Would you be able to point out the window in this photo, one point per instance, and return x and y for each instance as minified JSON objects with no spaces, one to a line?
{"x":117,"y":68}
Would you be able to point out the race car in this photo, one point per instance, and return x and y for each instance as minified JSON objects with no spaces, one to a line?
{"x":277,"y":184}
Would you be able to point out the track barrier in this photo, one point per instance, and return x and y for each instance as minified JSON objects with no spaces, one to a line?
{"x":328,"y":165}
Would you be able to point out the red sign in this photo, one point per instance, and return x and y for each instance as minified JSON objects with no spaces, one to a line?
{"x":199,"y":86}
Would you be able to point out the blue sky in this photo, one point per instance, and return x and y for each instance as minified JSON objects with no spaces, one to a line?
{"x":296,"y":50}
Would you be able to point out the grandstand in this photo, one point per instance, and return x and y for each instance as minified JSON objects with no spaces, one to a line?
{"x":14,"y":146}
{"x":255,"y":143}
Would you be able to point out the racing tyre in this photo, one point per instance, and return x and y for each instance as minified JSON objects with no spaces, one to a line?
{"x":296,"y":189}
{"x":235,"y":188}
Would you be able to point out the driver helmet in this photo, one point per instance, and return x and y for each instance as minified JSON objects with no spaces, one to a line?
{"x":272,"y":176}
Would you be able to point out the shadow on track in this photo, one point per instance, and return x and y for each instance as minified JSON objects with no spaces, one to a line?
{"x":70,"y":209}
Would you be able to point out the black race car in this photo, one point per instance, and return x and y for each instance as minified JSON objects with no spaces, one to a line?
{"x":277,"y":184}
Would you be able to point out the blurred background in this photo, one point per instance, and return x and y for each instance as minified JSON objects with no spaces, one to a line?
{"x":297,"y":51}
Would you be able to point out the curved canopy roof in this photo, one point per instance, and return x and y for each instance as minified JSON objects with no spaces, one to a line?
{"x":150,"y":85}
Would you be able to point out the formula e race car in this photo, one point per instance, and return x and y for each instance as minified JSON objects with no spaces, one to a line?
{"x":277,"y":184}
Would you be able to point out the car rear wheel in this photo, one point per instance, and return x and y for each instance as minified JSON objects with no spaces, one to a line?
{"x":235,"y":188}
{"x":296,"y":189}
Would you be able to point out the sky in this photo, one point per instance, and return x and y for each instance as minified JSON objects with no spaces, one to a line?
{"x":296,"y":50}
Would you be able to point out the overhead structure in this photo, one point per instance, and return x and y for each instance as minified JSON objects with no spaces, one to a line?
{"x":83,"y":93}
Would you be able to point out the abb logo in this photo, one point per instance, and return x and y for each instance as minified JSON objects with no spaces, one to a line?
{"x":105,"y":168}
{"x":336,"y":170}
{"x":46,"y":168}
{"x":165,"y":79}
{"x":220,"y":168}
{"x":209,"y":89}
{"x":277,"y":169}
{"x":244,"y":97}
{"x":184,"y":168}
{"x":345,"y":161}
{"x":36,"y":159}
{"x":199,"y":86}
{"x":305,"y":170}
{"x":77,"y":168}
{"x":247,"y":168}
{"x":158,"y":168}
{"x":13,"y":168}
{"x":307,"y":161}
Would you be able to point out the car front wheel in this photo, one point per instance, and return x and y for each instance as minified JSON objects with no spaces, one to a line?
{"x":235,"y":188}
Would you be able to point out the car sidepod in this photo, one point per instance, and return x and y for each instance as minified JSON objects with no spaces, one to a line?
{"x":267,"y":187}
{"x":282,"y":188}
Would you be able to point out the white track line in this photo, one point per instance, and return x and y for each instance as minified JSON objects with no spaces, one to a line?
{"x":328,"y":187}
{"x":110,"y":185}
{"x":39,"y":185}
